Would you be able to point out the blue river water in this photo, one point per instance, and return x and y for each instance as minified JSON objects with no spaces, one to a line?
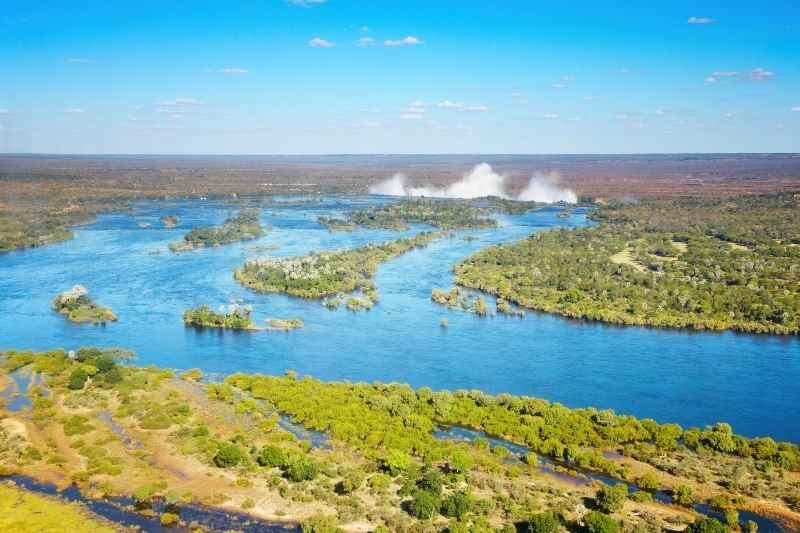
{"x":690,"y":378}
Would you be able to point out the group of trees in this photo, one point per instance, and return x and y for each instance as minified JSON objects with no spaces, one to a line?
{"x":77,"y":306}
{"x":236,"y":317}
{"x":243,"y":227}
{"x":440,"y":213}
{"x":700,"y":264}
{"x":322,"y":274}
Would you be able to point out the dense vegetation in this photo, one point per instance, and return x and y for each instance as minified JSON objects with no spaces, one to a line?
{"x":322,"y":274}
{"x":76,"y":305}
{"x":236,"y":317}
{"x":243,"y":227}
{"x":443,"y":214}
{"x":178,"y":440}
{"x":285,"y":324}
{"x":732,"y":264}
{"x":24,"y":512}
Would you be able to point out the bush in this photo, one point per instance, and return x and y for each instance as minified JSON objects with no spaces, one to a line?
{"x":731,"y":517}
{"x":460,"y":462}
{"x":707,"y":525}
{"x":611,"y":498}
{"x":169,"y":519}
{"x":682,"y":495}
{"x":542,"y":523}
{"x":425,"y":505}
{"x":228,"y":455}
{"x":647,"y":481}
{"x":397,"y":462}
{"x":302,"y":470}
{"x":432,"y":482}
{"x":320,"y":524}
{"x":457,"y":504}
{"x":77,"y":379}
{"x":596,"y":522}
{"x":272,"y":456}
{"x":379,"y":482}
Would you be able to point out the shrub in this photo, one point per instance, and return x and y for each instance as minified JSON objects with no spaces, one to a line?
{"x":272,"y":456}
{"x":432,"y":482}
{"x":397,"y":462}
{"x":682,"y":495}
{"x":169,"y":519}
{"x":460,"y":462}
{"x":379,"y":482}
{"x":320,"y":524}
{"x":707,"y":525}
{"x":542,"y":523}
{"x":77,"y":379}
{"x":647,"y":481}
{"x":731,"y":517}
{"x":424,"y":505}
{"x":597,"y":522}
{"x":457,"y":504}
{"x":611,"y":498}
{"x":302,"y":470}
{"x":228,"y":455}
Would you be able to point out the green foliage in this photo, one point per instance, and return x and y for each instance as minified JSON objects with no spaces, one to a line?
{"x":730,"y":264}
{"x":424,"y":505}
{"x":597,"y":522}
{"x":444,"y":214}
{"x":460,"y":461}
{"x":546,"y":522}
{"x":77,"y":379}
{"x":228,"y":455}
{"x":271,"y":456}
{"x":324,"y":274}
{"x":203,"y":317}
{"x":682,"y":495}
{"x":76,"y":305}
{"x":611,"y":498}
{"x":321,"y":524}
{"x":302,"y":469}
{"x":457,"y":504}
{"x":397,"y":462}
{"x":648,"y":481}
{"x":707,"y":525}
{"x":245,"y":226}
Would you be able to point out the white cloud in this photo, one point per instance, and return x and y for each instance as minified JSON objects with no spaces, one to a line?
{"x":79,"y":60}
{"x":447,"y":104}
{"x":701,"y":20}
{"x":73,"y":110}
{"x":559,"y":86}
{"x":405,"y":41}
{"x":306,"y":3}
{"x":568,"y":77}
{"x":659,"y":112}
{"x":318,"y":42}
{"x":725,"y":74}
{"x":411,"y":116}
{"x":4,"y":111}
{"x":796,"y":109}
{"x":624,"y":70}
{"x":760,"y":74}
{"x":728,"y":115}
{"x":181,"y":102}
{"x":710,"y":79}
{"x":365,"y":41}
{"x":590,"y":98}
{"x":476,"y":108}
{"x":551,"y":116}
{"x":417,"y":107}
{"x":233,"y":71}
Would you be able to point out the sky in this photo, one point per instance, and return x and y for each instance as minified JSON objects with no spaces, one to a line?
{"x":413,"y":76}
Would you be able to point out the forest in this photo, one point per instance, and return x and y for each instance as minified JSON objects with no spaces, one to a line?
{"x":443,"y":214}
{"x":160,"y":435}
{"x":322,"y":274}
{"x":702,"y":264}
{"x":243,"y":227}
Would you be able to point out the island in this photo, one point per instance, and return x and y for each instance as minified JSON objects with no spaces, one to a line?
{"x":169,"y":221}
{"x":702,"y":264}
{"x":440,"y":213}
{"x":243,"y":227}
{"x":287,"y":324}
{"x":76,"y":305}
{"x":235,"y":317}
{"x":385,"y":457}
{"x":322,"y":274}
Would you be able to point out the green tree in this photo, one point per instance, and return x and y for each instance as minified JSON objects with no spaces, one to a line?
{"x":611,"y":498}
{"x":228,"y":455}
{"x":424,"y":505}
{"x":707,"y":525}
{"x":682,"y":495}
{"x":542,"y":523}
{"x":457,"y":504}
{"x":77,"y":379}
{"x":597,"y":522}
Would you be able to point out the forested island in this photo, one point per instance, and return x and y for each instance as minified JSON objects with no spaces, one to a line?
{"x":76,"y":305}
{"x":243,"y":227}
{"x":322,"y":274}
{"x":235,"y":317}
{"x":285,"y":324}
{"x":161,"y":436}
{"x":702,"y":264}
{"x":443,"y":214}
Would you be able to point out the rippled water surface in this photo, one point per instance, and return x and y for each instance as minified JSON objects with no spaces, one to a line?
{"x":691,"y":378}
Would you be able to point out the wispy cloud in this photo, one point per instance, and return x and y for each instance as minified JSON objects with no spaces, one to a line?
{"x":365,"y":41}
{"x":181,"y":102}
{"x":590,"y":98}
{"x":405,"y":41}
{"x":73,"y":110}
{"x":79,"y":60}
{"x":796,"y":109}
{"x":756,"y":74}
{"x":476,"y":108}
{"x":417,"y":107}
{"x":760,"y":74}
{"x":318,"y":42}
{"x":233,"y":71}
{"x":411,"y":116}
{"x":701,"y":20}
{"x":306,"y":3}
{"x":551,"y":116}
{"x":559,"y":86}
{"x":447,"y":104}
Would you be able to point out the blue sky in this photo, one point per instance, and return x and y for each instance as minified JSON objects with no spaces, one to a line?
{"x":335,"y":76}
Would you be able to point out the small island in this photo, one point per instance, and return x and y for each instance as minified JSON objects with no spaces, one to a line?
{"x":440,"y":213}
{"x":236,"y":317}
{"x":169,"y":221}
{"x":337,"y":224}
{"x":285,"y":324}
{"x":76,"y":305}
{"x":323,"y":274}
{"x":245,"y":226}
{"x":455,"y":299}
